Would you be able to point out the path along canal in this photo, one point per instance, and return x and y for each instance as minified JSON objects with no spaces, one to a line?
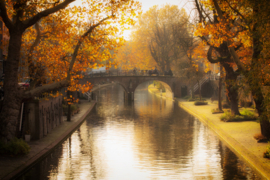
{"x":151,"y":138}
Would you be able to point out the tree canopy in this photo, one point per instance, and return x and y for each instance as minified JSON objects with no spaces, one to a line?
{"x":153,"y":37}
{"x":241,"y":26}
{"x":53,"y":42}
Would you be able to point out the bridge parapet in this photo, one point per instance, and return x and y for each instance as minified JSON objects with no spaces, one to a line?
{"x":130,"y":73}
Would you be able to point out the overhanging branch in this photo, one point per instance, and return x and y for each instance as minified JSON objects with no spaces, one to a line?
{"x":29,"y":22}
{"x":46,"y":88}
{"x":89,"y":31}
{"x":3,"y":13}
{"x":209,"y":55}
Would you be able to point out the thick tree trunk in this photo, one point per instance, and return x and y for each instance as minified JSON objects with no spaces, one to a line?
{"x":232,"y":88}
{"x":10,"y":111}
{"x":265,"y":127}
{"x":260,"y":107}
{"x":233,"y":96}
{"x":254,"y":81}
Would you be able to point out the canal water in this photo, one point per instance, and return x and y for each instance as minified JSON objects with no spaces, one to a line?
{"x":151,"y":138}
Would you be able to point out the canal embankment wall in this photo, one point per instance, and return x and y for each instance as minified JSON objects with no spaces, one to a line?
{"x":238,"y":136}
{"x":12,"y":167}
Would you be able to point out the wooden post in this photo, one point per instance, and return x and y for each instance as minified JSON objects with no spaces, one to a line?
{"x":68,"y":106}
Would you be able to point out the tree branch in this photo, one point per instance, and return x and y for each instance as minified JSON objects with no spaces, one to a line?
{"x":231,"y":49}
{"x":29,"y":22}
{"x":199,"y":11}
{"x":237,"y":12}
{"x":236,"y":59}
{"x":219,"y":11}
{"x":89,"y":31}
{"x":209,"y":56}
{"x":3,"y":14}
{"x":46,"y":88}
{"x":31,"y":66}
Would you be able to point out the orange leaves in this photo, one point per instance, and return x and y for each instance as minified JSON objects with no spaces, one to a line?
{"x":134,"y":55}
{"x":62,"y":31}
{"x":218,"y":32}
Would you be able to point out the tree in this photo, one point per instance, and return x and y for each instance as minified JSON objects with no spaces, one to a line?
{"x":191,"y":51}
{"x":245,"y":26}
{"x":254,"y":23}
{"x":134,"y":54}
{"x":155,"y":29}
{"x":209,"y":30}
{"x":18,"y":16}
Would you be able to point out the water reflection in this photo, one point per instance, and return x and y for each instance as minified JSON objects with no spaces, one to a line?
{"x":150,"y":139}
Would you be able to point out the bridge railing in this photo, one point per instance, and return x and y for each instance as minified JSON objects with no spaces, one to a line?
{"x":125,"y":73}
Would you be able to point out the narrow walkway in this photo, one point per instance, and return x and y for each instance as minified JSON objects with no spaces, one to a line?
{"x":11,"y":166}
{"x":237,"y":135}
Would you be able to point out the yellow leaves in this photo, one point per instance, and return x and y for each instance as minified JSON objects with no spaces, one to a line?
{"x":134,"y":55}
{"x":61,"y":31}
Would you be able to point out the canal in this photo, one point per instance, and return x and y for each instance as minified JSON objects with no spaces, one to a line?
{"x":151,"y":138}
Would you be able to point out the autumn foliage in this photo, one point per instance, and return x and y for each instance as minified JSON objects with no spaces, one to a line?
{"x":241,"y":28}
{"x":153,"y":39}
{"x":54,"y":43}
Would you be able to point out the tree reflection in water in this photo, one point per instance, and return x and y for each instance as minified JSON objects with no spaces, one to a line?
{"x":151,"y":138}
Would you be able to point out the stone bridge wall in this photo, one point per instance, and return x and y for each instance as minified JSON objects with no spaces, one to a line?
{"x":130,"y":83}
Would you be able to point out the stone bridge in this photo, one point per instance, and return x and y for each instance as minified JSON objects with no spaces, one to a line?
{"x":172,"y":84}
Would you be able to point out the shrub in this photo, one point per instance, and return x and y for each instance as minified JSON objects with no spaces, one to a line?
{"x":266,"y":154}
{"x":14,"y":147}
{"x":73,"y":107}
{"x":197,"y":98}
{"x":215,"y":111}
{"x":198,"y":103}
{"x":226,"y":116}
{"x":245,"y":115}
{"x":248,"y":113}
{"x":186,"y":97}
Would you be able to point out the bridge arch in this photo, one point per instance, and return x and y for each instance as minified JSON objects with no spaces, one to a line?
{"x":130,"y":83}
{"x":169,"y":90}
